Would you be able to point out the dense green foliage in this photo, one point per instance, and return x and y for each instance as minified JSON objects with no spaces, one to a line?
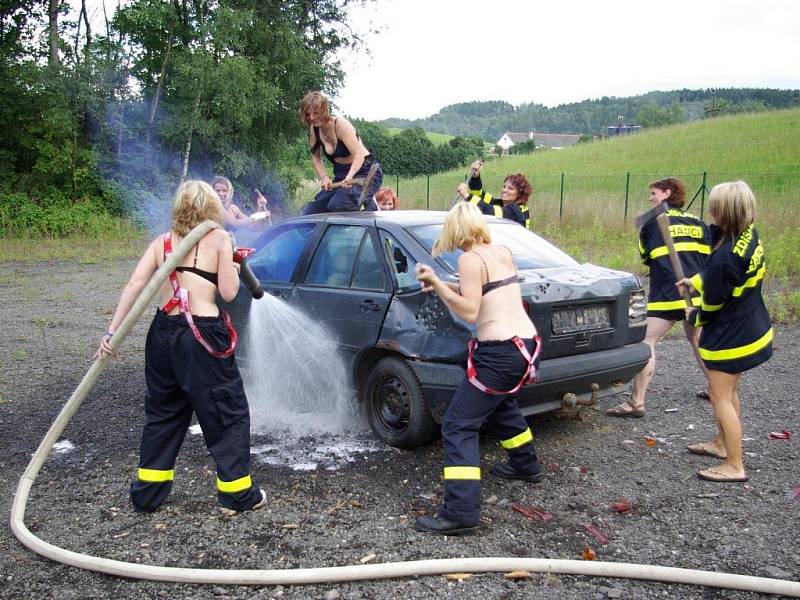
{"x":96,"y":126}
{"x":489,"y":120}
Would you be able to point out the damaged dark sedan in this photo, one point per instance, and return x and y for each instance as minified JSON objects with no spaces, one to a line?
{"x":355,"y":272}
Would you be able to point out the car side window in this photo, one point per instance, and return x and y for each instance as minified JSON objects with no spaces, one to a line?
{"x":402,"y":264}
{"x":276,"y":260}
{"x":368,"y":273}
{"x":336,"y":253}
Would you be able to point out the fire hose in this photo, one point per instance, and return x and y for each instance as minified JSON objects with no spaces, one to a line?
{"x":321,"y":574}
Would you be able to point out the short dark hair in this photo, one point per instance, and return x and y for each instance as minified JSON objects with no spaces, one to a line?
{"x":522,"y":185}
{"x":677,"y":196}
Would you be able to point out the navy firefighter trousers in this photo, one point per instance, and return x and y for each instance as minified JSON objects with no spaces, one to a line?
{"x":500,"y":366}
{"x":182,"y":377}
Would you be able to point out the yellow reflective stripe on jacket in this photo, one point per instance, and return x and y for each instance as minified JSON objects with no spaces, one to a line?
{"x":526,"y":211}
{"x":697,"y":282}
{"x":237,"y":485}
{"x":671,"y":304}
{"x":751,"y":282}
{"x":498,"y":211}
{"x":156,"y":475}
{"x":462,"y":473}
{"x":740,"y":352}
{"x":681,"y":247}
{"x":518,"y":440}
{"x":711,"y":307}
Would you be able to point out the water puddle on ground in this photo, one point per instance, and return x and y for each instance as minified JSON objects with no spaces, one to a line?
{"x":303,"y":407}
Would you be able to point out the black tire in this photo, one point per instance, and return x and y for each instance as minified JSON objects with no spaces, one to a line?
{"x":396,"y":408}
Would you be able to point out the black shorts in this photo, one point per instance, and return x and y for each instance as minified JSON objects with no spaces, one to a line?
{"x":669,"y":315}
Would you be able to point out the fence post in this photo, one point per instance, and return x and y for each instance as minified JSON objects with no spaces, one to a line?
{"x":627,"y":187}
{"x":428,"y":194}
{"x":561,"y":201}
{"x":703,"y":189}
{"x":397,"y":185}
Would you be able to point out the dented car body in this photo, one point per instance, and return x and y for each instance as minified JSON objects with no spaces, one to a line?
{"x":355,"y":272}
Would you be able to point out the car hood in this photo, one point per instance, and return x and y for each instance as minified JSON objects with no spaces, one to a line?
{"x":575,"y":283}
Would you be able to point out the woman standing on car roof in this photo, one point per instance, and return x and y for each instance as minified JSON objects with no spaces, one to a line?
{"x":339,"y":141}
{"x":513,"y":201}
{"x":664,"y":305}
{"x":502,"y":359}
{"x":737,"y":330}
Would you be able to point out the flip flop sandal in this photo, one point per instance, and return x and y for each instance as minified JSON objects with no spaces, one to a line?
{"x":714,"y":475}
{"x":626,"y":410}
{"x":701,"y":450}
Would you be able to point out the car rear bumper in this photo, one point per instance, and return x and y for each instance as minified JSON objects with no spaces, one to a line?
{"x":609,"y":369}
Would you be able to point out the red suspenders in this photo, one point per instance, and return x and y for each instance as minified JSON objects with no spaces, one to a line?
{"x":528,"y":377}
{"x":180,"y":298}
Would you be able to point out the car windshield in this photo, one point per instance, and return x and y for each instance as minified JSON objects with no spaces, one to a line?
{"x":529,"y":250}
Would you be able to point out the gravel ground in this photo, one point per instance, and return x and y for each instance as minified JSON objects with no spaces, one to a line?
{"x":52,"y":314}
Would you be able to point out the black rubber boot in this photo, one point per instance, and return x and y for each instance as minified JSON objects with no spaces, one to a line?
{"x":430,"y":524}
{"x":506,"y":472}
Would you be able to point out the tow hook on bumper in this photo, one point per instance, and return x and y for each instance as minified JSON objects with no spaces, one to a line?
{"x":570,"y":401}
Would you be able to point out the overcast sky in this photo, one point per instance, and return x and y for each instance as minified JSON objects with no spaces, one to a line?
{"x":431,"y":53}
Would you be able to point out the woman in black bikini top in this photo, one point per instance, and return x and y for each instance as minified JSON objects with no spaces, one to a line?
{"x":339,"y":141}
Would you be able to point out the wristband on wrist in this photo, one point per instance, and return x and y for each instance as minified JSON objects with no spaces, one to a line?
{"x":108,"y":333}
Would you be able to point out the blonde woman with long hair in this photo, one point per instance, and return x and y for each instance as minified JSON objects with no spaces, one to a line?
{"x":737,"y":330}
{"x":502,"y":358}
{"x":189,"y":361}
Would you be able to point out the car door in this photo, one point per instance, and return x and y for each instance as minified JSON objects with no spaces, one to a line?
{"x":346,"y":286}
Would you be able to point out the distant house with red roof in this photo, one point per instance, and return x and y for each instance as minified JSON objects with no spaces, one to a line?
{"x":547,"y":140}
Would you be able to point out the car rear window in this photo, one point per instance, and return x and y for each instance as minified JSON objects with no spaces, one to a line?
{"x":530,"y":251}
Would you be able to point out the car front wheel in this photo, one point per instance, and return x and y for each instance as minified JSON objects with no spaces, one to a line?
{"x":396,"y":408}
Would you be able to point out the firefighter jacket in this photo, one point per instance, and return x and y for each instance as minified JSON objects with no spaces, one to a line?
{"x":490,"y":205}
{"x":692,"y":243}
{"x":737,"y":330}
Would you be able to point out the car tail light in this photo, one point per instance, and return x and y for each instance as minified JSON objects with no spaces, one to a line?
{"x":527,"y":307}
{"x":637,"y":307}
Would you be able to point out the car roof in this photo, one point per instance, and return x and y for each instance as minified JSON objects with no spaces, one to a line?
{"x":403,"y":218}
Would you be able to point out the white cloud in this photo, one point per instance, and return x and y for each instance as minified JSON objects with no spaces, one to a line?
{"x":433,"y":53}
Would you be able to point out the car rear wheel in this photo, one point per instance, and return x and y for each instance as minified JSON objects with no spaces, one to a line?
{"x":396,"y":408}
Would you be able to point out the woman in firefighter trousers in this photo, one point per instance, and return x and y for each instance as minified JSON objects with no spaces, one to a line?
{"x":737,"y":330}
{"x":189,"y":362}
{"x":501,"y":360}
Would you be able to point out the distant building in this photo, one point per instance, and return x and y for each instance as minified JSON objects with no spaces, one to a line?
{"x":547,"y":140}
{"x":621,"y":129}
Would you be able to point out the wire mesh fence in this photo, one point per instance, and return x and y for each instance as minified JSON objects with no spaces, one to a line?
{"x":614,"y":200}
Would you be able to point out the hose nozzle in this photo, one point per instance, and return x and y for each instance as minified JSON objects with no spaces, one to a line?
{"x":240,"y":255}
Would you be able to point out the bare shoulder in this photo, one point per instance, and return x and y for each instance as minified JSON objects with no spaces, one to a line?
{"x":344,"y":126}
{"x":469,"y":260}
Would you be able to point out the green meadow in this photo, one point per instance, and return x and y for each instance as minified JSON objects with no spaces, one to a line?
{"x":588,"y":217}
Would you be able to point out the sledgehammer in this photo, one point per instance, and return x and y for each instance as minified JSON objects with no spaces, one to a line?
{"x":659,"y":213}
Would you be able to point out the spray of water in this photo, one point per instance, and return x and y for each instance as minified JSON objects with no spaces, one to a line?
{"x":296,"y":378}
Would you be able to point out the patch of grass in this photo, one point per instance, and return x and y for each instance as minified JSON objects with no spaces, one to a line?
{"x":85,"y":250}
{"x":20,"y":355}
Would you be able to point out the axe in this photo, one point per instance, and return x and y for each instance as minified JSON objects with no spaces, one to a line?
{"x":458,"y":196}
{"x":659,"y":213}
{"x":339,"y":184}
{"x":367,"y":183}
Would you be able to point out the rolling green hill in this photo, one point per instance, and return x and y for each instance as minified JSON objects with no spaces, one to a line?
{"x":437,"y":139}
{"x":589,"y":219}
